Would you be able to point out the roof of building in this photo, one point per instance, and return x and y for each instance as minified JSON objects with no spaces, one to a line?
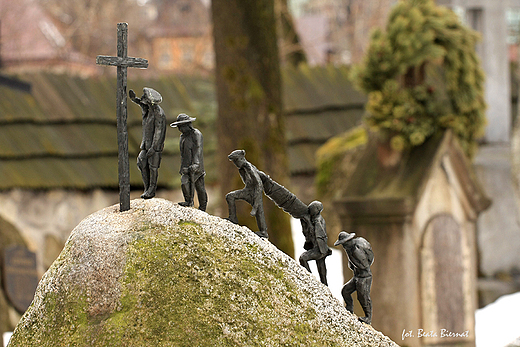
{"x":28,"y":35}
{"x":377,"y":189}
{"x":319,"y":103}
{"x":63,"y":132}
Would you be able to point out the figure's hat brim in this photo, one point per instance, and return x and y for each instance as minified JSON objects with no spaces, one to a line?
{"x":182,"y":121}
{"x":344,"y":237}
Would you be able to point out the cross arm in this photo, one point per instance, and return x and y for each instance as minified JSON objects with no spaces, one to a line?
{"x":123,"y":62}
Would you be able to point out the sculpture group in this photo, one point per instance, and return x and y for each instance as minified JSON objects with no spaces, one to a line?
{"x":256,"y":184}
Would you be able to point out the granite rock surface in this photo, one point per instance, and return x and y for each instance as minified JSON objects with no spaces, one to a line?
{"x":164,"y":275}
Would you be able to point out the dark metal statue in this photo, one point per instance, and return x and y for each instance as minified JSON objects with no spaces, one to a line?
{"x":192,"y":162}
{"x":315,"y":246}
{"x":313,"y":224}
{"x":283,"y":198}
{"x":360,"y":257}
{"x":251,"y":193}
{"x":154,"y":132}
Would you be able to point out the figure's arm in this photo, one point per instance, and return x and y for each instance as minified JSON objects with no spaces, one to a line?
{"x":321,"y":234}
{"x":255,"y":184}
{"x":159,"y":132}
{"x":134,"y":98}
{"x":258,"y":203}
{"x":198,"y":150}
{"x":360,"y":258}
{"x":263,"y":176}
{"x":306,"y":230}
{"x":243,"y":175}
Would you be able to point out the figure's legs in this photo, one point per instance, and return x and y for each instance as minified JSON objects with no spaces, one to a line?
{"x":232,"y":207}
{"x":260,"y":221}
{"x":346,"y":292}
{"x":304,"y":260}
{"x":186,"y":191}
{"x":201,"y":193}
{"x":153,"y":166}
{"x":311,"y":254}
{"x":363,"y":290}
{"x":150,"y":192}
{"x":322,"y":270}
{"x":142,"y":165}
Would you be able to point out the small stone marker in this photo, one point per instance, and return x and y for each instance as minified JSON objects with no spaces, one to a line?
{"x":122,"y":61}
{"x":20,"y":276}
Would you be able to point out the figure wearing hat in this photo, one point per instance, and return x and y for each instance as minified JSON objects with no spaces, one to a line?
{"x":154,"y":132}
{"x":252,"y":193}
{"x":192,"y":162}
{"x":360,"y":257}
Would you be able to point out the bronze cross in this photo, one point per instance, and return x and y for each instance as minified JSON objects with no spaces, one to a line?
{"x":122,"y":61}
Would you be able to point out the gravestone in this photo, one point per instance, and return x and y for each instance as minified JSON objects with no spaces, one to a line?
{"x":20,"y":276}
{"x":443,"y":279}
{"x":419,"y":213}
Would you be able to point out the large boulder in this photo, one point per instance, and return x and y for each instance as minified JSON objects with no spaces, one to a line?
{"x":164,"y":275}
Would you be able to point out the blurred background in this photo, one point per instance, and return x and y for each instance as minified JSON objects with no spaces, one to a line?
{"x":400,"y":116}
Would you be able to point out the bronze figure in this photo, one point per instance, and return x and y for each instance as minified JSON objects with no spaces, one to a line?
{"x":192,"y":162}
{"x":154,"y":133}
{"x":360,"y":257}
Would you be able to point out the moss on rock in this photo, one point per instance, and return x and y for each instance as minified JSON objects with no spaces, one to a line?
{"x":165,"y":275}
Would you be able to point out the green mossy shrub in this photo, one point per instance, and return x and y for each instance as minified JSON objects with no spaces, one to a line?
{"x":336,"y":161}
{"x":330,"y":158}
{"x":422,"y":75}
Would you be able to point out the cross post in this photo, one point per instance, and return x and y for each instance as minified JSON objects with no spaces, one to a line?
{"x":122,"y":61}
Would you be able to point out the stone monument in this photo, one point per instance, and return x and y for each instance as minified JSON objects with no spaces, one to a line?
{"x":164,"y":275}
{"x":420,"y":215}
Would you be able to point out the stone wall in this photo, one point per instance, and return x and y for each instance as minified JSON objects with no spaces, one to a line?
{"x":424,"y":242}
{"x":9,"y":236}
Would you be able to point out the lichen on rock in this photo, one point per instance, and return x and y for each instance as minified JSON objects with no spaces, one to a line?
{"x":164,"y":275}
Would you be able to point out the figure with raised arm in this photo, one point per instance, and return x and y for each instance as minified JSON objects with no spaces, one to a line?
{"x":152,"y":144}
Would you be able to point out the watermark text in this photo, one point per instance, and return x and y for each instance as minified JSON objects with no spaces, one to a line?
{"x":442,"y":333}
